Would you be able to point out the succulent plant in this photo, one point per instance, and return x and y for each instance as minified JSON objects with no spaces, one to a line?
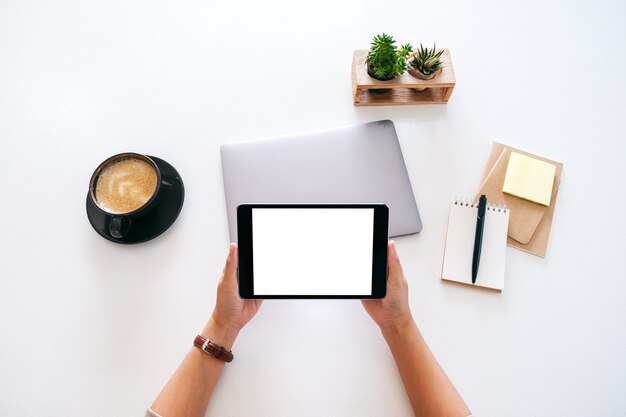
{"x":427,"y":61}
{"x":384,"y":59}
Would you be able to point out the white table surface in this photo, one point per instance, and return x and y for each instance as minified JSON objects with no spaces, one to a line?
{"x":89,"y":327}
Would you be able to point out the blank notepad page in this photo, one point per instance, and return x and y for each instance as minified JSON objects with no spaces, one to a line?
{"x":457,"y":258}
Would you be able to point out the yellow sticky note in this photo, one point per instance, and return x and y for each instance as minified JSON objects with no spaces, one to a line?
{"x":529,"y":178}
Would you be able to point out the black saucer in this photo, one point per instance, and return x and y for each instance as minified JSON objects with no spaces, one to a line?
{"x":152,"y":224}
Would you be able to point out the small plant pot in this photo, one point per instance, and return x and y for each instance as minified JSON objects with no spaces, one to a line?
{"x":372,"y":74}
{"x":417,"y":74}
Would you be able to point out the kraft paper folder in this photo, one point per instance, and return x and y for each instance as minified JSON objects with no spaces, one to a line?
{"x":529,"y":223}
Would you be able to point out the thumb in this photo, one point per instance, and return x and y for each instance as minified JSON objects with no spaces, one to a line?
{"x":230,"y":270}
{"x":393,"y":262}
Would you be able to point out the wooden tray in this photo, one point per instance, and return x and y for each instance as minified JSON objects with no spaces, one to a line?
{"x":402,"y":92}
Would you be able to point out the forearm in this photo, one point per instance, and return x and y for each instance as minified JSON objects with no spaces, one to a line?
{"x":188,"y":391}
{"x":427,"y":385}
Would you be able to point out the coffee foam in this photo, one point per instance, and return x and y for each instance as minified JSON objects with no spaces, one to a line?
{"x":125,"y":185}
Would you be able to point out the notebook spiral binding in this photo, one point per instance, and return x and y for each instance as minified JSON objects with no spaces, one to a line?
{"x":501,"y":208}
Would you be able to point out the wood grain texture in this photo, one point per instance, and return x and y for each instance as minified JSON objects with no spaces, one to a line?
{"x":437,"y":91}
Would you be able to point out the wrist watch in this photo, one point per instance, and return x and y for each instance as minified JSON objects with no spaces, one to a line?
{"x":213,"y":349}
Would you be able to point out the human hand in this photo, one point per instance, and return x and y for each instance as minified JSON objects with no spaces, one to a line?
{"x":231,"y":312}
{"x":393,"y":310}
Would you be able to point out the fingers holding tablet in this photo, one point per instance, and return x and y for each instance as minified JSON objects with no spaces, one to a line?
{"x":394,"y":308}
{"x":231,"y":312}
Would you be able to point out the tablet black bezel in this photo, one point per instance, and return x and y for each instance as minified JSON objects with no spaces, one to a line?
{"x":379,"y":248}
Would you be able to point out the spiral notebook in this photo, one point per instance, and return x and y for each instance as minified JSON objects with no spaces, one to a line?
{"x":457,"y":257}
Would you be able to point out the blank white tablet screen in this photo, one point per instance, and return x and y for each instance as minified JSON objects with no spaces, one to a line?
{"x":311,"y":251}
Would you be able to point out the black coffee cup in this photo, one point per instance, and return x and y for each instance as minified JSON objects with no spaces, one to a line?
{"x":133,"y":198}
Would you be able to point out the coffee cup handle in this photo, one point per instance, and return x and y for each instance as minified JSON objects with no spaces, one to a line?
{"x":115,"y":227}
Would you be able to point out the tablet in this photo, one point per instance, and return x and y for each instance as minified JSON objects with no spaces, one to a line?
{"x":312,"y":250}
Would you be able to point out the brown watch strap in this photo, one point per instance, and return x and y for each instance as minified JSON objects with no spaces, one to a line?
{"x":213,"y":349}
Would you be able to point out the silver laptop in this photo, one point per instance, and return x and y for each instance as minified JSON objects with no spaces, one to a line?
{"x":354,"y":164}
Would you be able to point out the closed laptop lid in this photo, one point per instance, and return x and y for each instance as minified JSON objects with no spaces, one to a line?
{"x":354,"y":164}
